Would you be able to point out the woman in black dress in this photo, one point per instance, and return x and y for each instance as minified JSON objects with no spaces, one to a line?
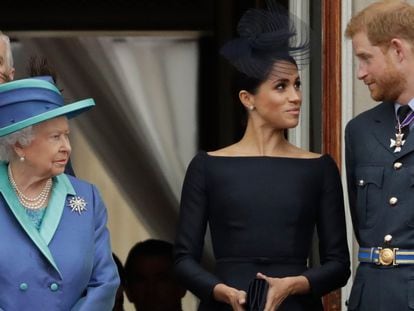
{"x":262,"y":197}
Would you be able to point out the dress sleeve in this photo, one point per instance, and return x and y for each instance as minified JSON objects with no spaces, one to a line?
{"x":350,"y":178}
{"x":104,"y":280}
{"x":191,"y":231}
{"x":334,"y":270}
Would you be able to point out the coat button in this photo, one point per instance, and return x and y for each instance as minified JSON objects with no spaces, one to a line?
{"x":54,"y":287}
{"x":23,"y":287}
{"x":387,"y":238}
{"x":397,"y":165}
{"x":393,"y":201}
{"x":361,"y":182}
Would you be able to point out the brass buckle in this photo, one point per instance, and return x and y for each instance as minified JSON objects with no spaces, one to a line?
{"x":386,"y":256}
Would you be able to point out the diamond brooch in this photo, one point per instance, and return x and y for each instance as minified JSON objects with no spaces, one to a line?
{"x":77,"y":204}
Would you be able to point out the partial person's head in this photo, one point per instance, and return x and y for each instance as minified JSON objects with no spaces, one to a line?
{"x":265,"y":56}
{"x":34,"y":125}
{"x":119,"y":298}
{"x":150,"y":282}
{"x":6,"y":59}
{"x":382,"y":37}
{"x":39,"y":66}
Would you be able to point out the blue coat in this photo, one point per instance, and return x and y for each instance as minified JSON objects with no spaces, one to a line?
{"x":381,"y":194}
{"x":67,"y":264}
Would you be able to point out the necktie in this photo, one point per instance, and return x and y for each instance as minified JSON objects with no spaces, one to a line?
{"x":402,"y":113}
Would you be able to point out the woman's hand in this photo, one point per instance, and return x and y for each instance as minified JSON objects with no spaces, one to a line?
{"x":281,"y":288}
{"x":232,"y":296}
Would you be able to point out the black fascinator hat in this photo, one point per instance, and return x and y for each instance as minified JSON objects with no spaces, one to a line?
{"x":266,"y":36}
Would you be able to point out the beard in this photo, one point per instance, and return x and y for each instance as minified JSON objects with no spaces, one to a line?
{"x":390,"y":86}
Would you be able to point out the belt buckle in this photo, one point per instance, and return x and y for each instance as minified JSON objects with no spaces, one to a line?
{"x":387,"y":256}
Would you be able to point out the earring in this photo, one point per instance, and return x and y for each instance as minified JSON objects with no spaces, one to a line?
{"x":251,"y":107}
{"x":22,"y":159}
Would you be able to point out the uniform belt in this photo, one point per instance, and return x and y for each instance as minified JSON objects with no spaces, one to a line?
{"x":386,"y":256}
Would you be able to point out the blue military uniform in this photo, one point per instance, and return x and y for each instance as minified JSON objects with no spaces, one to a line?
{"x":381,"y":194}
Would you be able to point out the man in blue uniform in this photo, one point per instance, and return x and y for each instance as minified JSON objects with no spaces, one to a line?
{"x":380,"y":158}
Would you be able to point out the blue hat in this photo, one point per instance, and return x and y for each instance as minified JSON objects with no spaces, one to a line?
{"x":27,"y":102}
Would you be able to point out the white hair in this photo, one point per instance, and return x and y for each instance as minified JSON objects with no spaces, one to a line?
{"x":24,"y":137}
{"x":9,"y":55}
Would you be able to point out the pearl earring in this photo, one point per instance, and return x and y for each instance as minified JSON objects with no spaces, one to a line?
{"x":22,"y":159}
{"x":251,"y":107}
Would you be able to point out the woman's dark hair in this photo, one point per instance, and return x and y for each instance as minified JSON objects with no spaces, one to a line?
{"x":244,"y":82}
{"x":252,"y":84}
{"x":40,"y":66}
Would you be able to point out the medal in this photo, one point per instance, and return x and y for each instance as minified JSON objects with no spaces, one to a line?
{"x":398,"y":142}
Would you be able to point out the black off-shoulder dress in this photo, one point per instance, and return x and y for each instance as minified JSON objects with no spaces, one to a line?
{"x":262,"y":212}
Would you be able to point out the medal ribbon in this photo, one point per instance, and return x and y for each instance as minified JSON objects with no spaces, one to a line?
{"x":408,"y":120}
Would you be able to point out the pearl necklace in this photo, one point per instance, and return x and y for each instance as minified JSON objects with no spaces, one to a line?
{"x":35,"y":203}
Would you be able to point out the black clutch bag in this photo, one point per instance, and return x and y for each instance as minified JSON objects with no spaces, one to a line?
{"x":256,"y":295}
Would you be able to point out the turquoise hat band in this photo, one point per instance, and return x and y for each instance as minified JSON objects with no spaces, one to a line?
{"x":28,"y":83}
{"x":70,"y":111}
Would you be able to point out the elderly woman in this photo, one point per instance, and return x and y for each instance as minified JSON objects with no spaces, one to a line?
{"x":55,"y":251}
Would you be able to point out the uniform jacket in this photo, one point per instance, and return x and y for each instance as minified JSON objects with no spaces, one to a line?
{"x":67,"y":264}
{"x":381,"y":195}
